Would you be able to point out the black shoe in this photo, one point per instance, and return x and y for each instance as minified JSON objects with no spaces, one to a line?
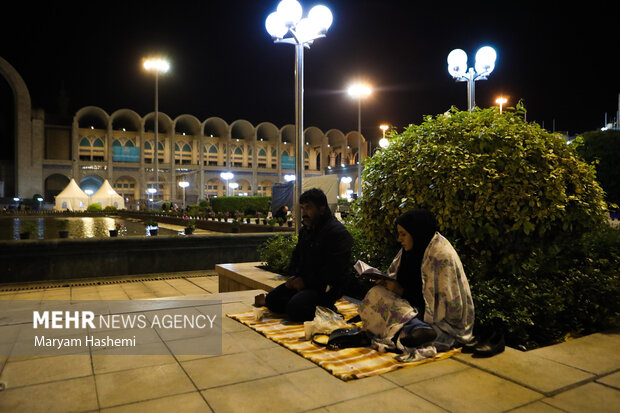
{"x":491,"y":346}
{"x":418,"y":337}
{"x":469,"y":347}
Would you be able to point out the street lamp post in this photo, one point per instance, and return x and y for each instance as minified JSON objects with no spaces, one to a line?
{"x":384,"y":143}
{"x":457,"y":67}
{"x":285,"y":25}
{"x":359,"y":91}
{"x":500,"y":101}
{"x":183,"y":184}
{"x":151,"y":191}
{"x":157,"y":65}
{"x":227,"y":176}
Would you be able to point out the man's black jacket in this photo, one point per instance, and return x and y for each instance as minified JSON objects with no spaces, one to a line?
{"x":322,"y":257}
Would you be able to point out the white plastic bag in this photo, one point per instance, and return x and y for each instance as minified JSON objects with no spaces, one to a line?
{"x":325,"y":321}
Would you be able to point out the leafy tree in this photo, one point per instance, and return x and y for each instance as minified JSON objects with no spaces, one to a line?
{"x":507,"y":194}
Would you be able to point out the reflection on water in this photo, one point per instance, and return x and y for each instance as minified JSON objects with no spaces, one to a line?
{"x":79,"y":227}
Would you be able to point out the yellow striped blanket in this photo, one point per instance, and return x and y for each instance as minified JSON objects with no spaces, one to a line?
{"x":346,"y":364}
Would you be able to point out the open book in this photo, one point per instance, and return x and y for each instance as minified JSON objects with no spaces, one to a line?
{"x":370,"y":273}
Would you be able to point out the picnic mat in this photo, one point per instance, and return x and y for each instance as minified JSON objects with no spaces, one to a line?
{"x":346,"y":364}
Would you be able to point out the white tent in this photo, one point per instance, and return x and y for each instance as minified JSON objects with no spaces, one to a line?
{"x":71,"y":198}
{"x":327,"y":183}
{"x":107,"y":196}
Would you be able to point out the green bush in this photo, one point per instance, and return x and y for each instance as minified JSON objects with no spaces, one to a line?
{"x":510,"y":196}
{"x":602,"y":149}
{"x":498,"y":185}
{"x":276,"y":252}
{"x":94,"y":207}
{"x":110,"y":208}
{"x":249,"y":205}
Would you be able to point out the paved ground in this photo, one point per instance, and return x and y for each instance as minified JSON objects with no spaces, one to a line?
{"x":256,"y":375}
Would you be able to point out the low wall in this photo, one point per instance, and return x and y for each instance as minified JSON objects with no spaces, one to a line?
{"x":58,"y":259}
{"x":211,"y":225}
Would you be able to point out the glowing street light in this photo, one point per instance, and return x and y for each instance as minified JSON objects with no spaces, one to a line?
{"x":500,"y":101}
{"x":183,"y":184}
{"x":289,"y":178}
{"x":227,"y":176}
{"x":383,"y":142}
{"x":157,"y":65}
{"x":151,"y":191}
{"x":457,"y":67}
{"x":286,"y":25}
{"x":234,"y":186}
{"x":359,"y":91}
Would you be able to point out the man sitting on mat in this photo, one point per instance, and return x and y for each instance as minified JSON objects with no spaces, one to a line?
{"x":320,"y":264}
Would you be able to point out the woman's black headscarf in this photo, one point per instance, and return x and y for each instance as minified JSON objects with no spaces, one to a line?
{"x":421,"y":225}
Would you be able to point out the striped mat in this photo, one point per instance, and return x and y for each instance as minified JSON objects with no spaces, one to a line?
{"x":346,"y":364}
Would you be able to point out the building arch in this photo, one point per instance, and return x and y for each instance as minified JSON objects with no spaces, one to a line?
{"x":241,"y":129}
{"x":92,"y":117}
{"x":54,"y":184}
{"x":215,"y":127}
{"x":127,"y":186}
{"x":267,"y":132}
{"x":125,"y":120}
{"x":27,"y":179}
{"x":188,"y":124}
{"x":91,"y":182}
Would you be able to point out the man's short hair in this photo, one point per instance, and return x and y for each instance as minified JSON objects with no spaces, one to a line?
{"x":314,"y":196}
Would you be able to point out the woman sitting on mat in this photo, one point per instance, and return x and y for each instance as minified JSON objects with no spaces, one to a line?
{"x":428,"y":274}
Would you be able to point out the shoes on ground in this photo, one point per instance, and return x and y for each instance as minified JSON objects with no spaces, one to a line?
{"x":490,"y":346}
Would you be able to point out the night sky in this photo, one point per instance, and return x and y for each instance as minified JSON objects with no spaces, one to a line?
{"x":558,"y":58}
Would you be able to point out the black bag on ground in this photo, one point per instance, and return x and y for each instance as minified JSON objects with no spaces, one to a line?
{"x":346,"y":338}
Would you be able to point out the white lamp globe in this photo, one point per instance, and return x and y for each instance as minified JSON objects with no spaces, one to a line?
{"x":275,"y":26}
{"x":457,"y":62}
{"x":321,"y":18}
{"x":290,"y":12}
{"x":485,"y":59}
{"x":384,"y":143}
{"x":306,"y":30}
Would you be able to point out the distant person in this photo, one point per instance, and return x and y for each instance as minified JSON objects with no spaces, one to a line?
{"x":320,"y":264}
{"x":281,"y":213}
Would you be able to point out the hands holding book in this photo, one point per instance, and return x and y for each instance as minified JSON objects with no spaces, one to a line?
{"x":373,"y":274}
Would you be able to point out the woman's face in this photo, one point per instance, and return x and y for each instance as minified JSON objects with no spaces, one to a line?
{"x":404,"y":238}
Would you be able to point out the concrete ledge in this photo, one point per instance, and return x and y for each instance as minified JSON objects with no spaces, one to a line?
{"x":246,"y":276}
{"x":59,"y":259}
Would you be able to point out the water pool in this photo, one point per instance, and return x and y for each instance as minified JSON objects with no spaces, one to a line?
{"x":79,"y":227}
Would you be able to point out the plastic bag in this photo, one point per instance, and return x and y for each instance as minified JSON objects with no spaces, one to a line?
{"x":325,"y":321}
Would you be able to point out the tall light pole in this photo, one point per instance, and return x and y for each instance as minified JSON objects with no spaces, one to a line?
{"x":384,"y":143}
{"x":500,"y":101}
{"x":359,"y":91}
{"x":285,"y":25}
{"x":183,"y":184}
{"x":457,"y":67}
{"x":157,"y":65}
{"x":227,"y":176}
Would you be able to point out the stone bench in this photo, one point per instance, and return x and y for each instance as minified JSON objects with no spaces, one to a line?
{"x":246,"y":276}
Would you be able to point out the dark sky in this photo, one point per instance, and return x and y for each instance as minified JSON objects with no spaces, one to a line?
{"x":558,"y":58}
